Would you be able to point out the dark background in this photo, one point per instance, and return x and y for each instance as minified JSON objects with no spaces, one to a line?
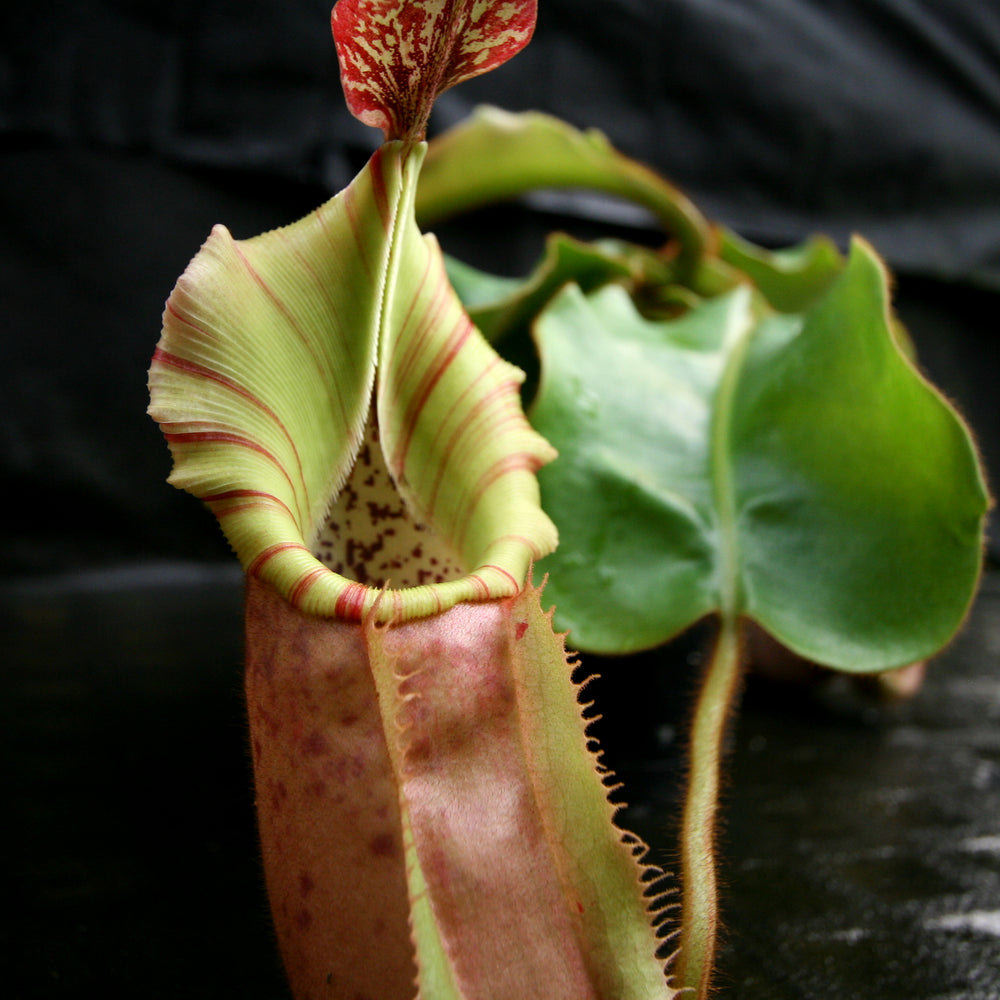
{"x":127,"y":129}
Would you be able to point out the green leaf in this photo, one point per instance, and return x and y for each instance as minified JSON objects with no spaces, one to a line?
{"x":263,"y":383}
{"x":495,"y":155}
{"x":790,"y":279}
{"x":795,"y":469}
{"x":507,"y":306}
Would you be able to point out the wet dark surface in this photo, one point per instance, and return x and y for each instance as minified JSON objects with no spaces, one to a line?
{"x":861,"y":844}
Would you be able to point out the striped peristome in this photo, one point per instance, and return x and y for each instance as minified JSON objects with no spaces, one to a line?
{"x":323,"y":391}
{"x":396,"y":56}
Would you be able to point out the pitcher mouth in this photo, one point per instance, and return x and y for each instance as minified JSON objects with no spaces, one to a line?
{"x":393,"y":566}
{"x":324,"y":392}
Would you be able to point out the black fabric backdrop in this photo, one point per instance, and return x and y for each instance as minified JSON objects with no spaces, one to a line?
{"x":128,"y":128}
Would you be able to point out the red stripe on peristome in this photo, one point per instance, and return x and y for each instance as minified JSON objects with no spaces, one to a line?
{"x":270,"y":552}
{"x":379,"y":187}
{"x":185,"y":437}
{"x":170,"y":311}
{"x":482,"y":585}
{"x":348,"y":201}
{"x":516,"y":462}
{"x":435,"y":372}
{"x":504,"y":394}
{"x":223,"y":509}
{"x":227,"y":437}
{"x":289,"y":317}
{"x":403,"y":360}
{"x":278,"y":302}
{"x":351,"y":602}
{"x":528,"y":543}
{"x":189,"y":367}
{"x":223,"y":505}
{"x":499,"y":569}
{"x":200,"y":371}
{"x":260,"y":496}
{"x":304,"y":584}
{"x":481,"y":410}
{"x":221,"y":437}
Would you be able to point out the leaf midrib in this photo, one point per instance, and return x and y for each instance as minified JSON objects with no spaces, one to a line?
{"x":735,"y":345}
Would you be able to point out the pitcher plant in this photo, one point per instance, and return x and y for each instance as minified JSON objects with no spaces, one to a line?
{"x":741,"y":434}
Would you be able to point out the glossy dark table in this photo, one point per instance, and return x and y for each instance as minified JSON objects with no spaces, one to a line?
{"x":861,"y":843}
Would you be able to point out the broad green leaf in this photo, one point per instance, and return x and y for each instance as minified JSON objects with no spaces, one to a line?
{"x":479,"y":290}
{"x":396,"y":56}
{"x":630,"y":403}
{"x":272,"y":351}
{"x":790,"y":279}
{"x":504,"y":306}
{"x":495,"y":155}
{"x":518,"y":876}
{"x":795,"y":469}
